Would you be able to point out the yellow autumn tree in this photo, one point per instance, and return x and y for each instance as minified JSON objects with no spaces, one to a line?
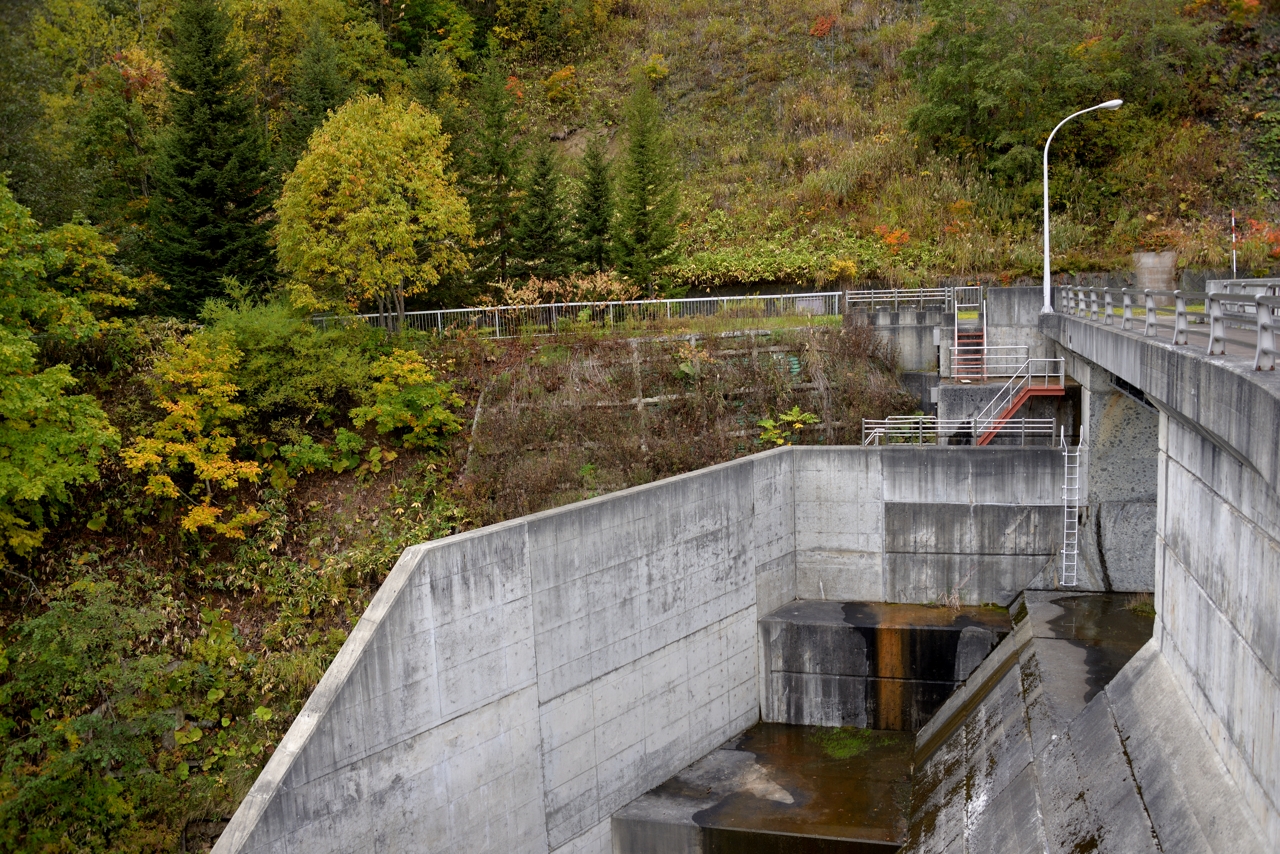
{"x":369,"y":214}
{"x":187,"y":456}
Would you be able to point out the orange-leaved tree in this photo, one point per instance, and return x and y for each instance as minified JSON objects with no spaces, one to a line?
{"x":369,"y":213}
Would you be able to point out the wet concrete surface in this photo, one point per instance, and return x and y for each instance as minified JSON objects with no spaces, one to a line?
{"x":990,"y":771}
{"x":1028,"y":757}
{"x":779,"y":788}
{"x":1110,"y":630}
{"x":883,"y":666}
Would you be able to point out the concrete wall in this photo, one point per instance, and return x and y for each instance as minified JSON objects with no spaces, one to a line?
{"x":1218,"y":596}
{"x":511,"y":687}
{"x":1217,"y":554}
{"x":910,"y":332}
{"x":911,"y":524}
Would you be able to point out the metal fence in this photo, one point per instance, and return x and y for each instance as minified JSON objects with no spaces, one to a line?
{"x":509,"y":321}
{"x":980,"y":362}
{"x":929,"y":430}
{"x":900,"y":298}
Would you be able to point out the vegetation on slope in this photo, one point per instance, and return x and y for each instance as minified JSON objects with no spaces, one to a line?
{"x":200,"y":489}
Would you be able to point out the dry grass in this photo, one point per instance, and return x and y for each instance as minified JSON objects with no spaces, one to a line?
{"x":566,"y":418}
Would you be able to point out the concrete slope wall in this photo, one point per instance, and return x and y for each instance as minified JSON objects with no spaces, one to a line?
{"x":510,"y":688}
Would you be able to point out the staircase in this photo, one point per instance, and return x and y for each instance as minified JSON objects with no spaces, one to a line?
{"x":1036,"y":378}
{"x":969,"y":347}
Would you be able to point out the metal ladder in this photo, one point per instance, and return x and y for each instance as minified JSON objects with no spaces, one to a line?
{"x":1070,"y":511}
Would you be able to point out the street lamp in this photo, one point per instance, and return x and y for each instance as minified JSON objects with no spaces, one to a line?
{"x":1109,"y":105}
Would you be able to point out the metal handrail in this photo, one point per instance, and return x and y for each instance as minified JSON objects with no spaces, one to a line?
{"x":897,"y":297}
{"x":1035,"y":372}
{"x":926,"y":429}
{"x":979,"y":361}
{"x":1243,"y":303}
{"x":1264,"y":356}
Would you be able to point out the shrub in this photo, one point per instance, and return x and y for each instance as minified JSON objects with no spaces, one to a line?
{"x":49,"y":442}
{"x":409,"y":397}
{"x":292,"y":376}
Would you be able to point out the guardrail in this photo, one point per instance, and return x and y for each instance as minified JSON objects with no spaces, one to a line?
{"x":899,"y":298}
{"x":928,"y":430}
{"x":1236,"y":303}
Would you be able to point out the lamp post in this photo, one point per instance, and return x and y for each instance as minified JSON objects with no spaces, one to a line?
{"x":1109,"y":105}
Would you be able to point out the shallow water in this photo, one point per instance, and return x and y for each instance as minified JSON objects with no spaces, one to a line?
{"x":841,"y":783}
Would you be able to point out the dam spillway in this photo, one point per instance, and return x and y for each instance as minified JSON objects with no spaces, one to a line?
{"x":513,"y":688}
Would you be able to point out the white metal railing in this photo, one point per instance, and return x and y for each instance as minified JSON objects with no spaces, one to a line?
{"x":927,"y":429}
{"x":1070,"y":512}
{"x":1037,"y":373}
{"x":899,"y":298}
{"x":983,"y":361}
{"x":509,"y":321}
{"x":1235,"y":303}
{"x":1268,"y":314}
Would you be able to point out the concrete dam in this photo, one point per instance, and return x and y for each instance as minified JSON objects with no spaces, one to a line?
{"x":679,"y":667}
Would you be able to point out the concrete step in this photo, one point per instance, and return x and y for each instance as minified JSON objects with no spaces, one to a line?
{"x":875,"y":665}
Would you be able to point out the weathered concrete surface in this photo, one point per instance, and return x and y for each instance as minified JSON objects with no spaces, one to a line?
{"x":1034,"y":755}
{"x":1218,"y":593}
{"x":878,"y":666}
{"x":912,"y":524}
{"x":509,"y":688}
{"x":909,"y":332}
{"x":1217,"y":554}
{"x":983,"y":522}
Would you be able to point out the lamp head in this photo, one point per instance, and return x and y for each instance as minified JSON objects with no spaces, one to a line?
{"x":1112,"y":105}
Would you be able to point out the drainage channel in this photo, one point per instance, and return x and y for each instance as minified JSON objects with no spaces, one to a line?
{"x":847,"y":686}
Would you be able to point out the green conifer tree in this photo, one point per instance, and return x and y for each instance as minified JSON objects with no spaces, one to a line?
{"x":541,"y":230}
{"x":492,"y":164}
{"x":212,"y":180}
{"x":593,"y":214}
{"x":649,"y":200}
{"x":318,"y":87}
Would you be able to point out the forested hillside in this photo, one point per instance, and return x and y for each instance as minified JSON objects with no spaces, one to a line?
{"x":201,"y":486}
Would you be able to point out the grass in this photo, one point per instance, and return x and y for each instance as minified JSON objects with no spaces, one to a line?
{"x":1141,"y":604}
{"x":796,"y":158}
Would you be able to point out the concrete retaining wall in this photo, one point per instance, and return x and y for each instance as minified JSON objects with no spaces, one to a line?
{"x":1217,"y":554}
{"x":509,"y":688}
{"x":912,"y":524}
{"x":911,"y":333}
{"x":1218,"y":596}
